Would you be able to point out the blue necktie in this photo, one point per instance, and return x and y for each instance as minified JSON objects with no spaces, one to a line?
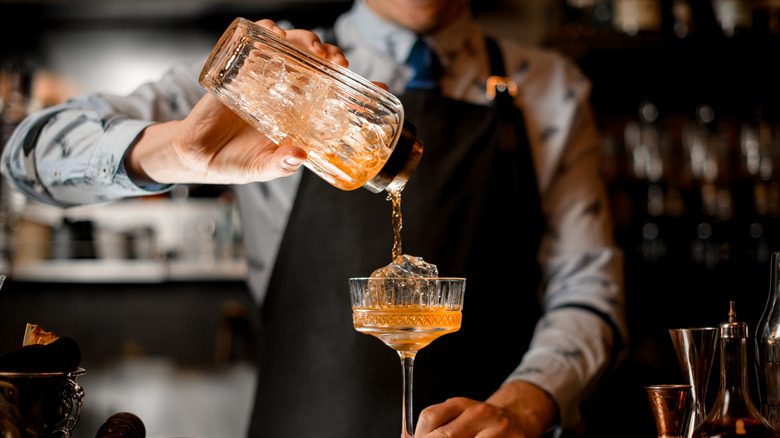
{"x":426,"y":68}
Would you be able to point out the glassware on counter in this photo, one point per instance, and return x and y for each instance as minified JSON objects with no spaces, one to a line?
{"x":353,"y":131}
{"x":40,"y":404}
{"x":734,"y":414}
{"x":695,"y":348}
{"x":407,"y":314}
{"x":669,"y":404}
{"x":767,"y":340}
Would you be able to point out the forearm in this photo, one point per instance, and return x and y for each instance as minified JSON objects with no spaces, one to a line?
{"x":583,"y":327}
{"x":570,"y":351}
{"x":71,"y":155}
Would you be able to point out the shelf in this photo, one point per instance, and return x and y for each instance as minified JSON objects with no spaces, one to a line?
{"x":736,"y":76}
{"x":126,"y":271}
{"x":579,"y":46}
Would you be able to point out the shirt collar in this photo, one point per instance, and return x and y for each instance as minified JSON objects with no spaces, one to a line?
{"x":396,"y":41}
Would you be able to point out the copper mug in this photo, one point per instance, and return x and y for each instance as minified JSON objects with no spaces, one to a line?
{"x":39,"y":405}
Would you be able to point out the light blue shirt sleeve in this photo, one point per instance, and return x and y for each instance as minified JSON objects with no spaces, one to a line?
{"x":71,"y":154}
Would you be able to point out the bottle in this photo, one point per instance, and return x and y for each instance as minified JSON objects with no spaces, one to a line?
{"x":122,"y":425}
{"x":682,"y":18}
{"x":586,"y":17}
{"x":353,"y":131}
{"x":14,"y":106}
{"x":634,"y":16}
{"x":733,"y":16}
{"x":733,"y":414}
{"x":768,"y":349}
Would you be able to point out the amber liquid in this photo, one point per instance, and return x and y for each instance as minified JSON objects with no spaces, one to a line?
{"x":406,"y":328}
{"x":395,"y":197}
{"x":733,"y":428}
{"x":345,"y":173}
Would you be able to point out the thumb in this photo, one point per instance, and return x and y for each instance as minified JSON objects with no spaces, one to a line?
{"x":286,"y":160}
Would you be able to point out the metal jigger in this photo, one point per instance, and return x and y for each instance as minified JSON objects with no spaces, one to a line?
{"x":695,"y":349}
{"x":669,"y":404}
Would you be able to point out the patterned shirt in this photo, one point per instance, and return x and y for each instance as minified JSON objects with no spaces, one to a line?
{"x":71,"y":154}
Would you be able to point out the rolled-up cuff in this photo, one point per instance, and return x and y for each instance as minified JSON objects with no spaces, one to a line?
{"x":106,"y":166}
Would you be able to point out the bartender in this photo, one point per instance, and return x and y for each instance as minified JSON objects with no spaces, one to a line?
{"x":524,"y":217}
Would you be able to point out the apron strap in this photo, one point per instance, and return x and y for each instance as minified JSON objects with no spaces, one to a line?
{"x":501,"y":90}
{"x":499,"y":86}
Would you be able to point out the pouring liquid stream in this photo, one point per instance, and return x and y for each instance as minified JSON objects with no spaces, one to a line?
{"x":394,"y":196}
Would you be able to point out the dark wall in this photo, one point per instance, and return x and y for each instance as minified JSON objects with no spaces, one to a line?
{"x":184,"y":321}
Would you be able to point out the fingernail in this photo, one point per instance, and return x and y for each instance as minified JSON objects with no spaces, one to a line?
{"x":292,"y":161}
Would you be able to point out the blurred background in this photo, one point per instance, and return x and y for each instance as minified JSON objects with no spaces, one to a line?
{"x":686,"y":94}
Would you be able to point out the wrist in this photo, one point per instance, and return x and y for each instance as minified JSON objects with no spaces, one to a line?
{"x":148,"y":160}
{"x":532,"y":409}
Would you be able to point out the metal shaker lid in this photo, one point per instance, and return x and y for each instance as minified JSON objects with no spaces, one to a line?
{"x":402,"y":162}
{"x":733,"y":328}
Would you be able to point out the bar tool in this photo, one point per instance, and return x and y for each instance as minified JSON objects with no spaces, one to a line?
{"x":695,"y":348}
{"x":669,"y":404}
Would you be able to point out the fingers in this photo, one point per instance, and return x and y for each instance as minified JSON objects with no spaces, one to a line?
{"x":272,"y":26}
{"x":285,"y":161}
{"x":335,"y":54}
{"x":465,"y":418}
{"x":308,"y":40}
{"x":439,"y":416}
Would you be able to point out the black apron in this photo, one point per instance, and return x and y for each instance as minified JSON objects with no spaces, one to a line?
{"x":472,"y":208}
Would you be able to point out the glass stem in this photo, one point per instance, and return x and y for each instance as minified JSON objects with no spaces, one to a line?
{"x":407,"y":420}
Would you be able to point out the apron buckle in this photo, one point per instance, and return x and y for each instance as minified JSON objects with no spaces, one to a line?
{"x":499,"y":84}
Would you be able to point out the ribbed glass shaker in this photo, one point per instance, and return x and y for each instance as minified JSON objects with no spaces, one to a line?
{"x":353,"y":131}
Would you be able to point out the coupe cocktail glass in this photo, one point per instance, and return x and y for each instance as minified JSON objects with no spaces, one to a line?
{"x":407,"y":314}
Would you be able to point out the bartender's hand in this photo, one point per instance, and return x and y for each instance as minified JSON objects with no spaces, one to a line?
{"x":517,"y":410}
{"x":214,"y":145}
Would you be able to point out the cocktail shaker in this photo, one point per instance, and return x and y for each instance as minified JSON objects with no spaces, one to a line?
{"x":353,"y":131}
